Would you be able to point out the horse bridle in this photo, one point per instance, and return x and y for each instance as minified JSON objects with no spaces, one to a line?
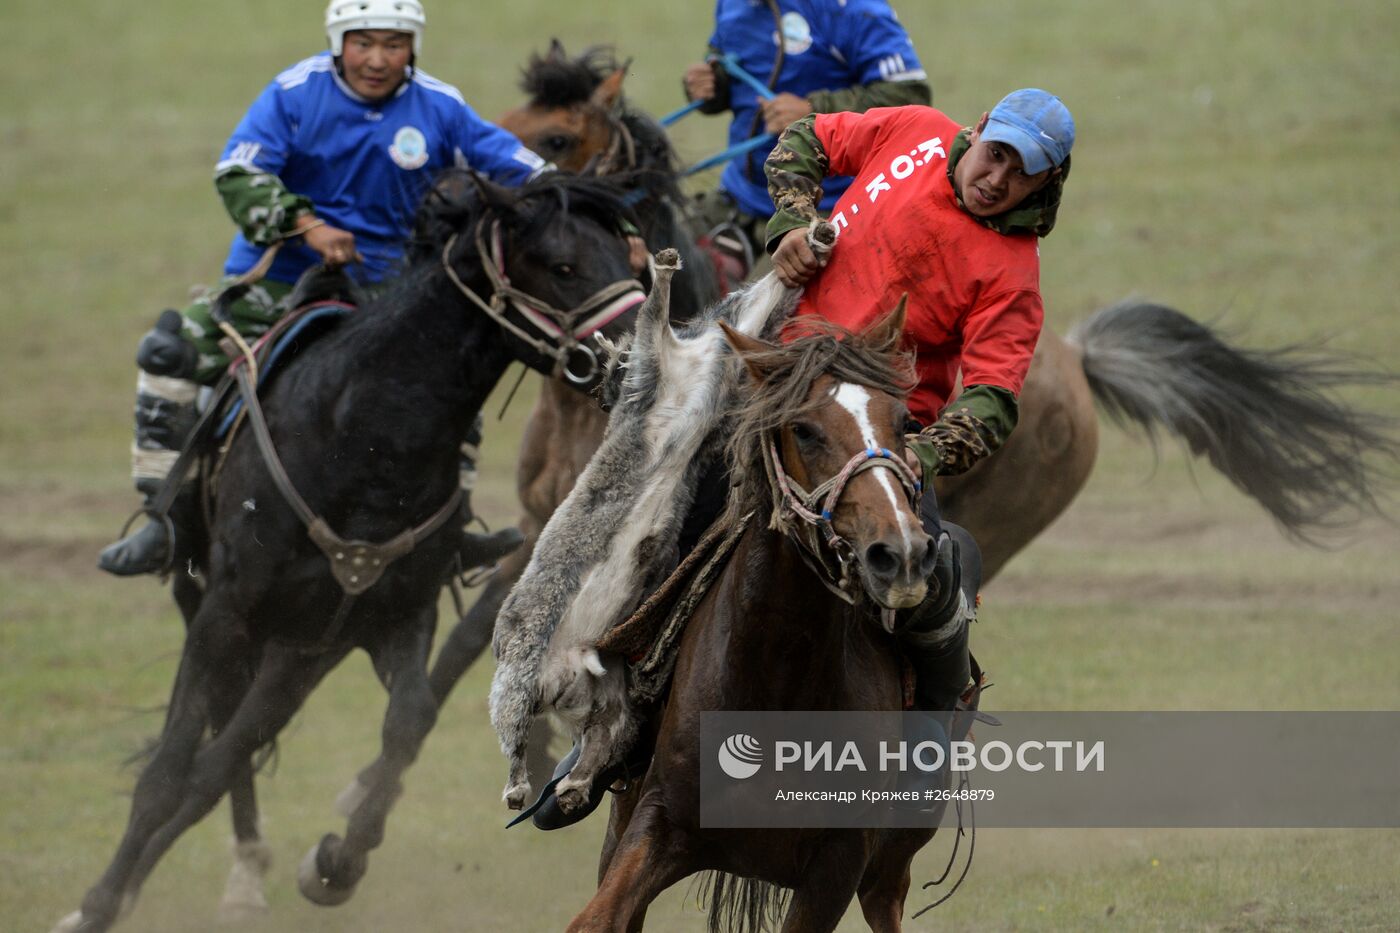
{"x":564,"y":332}
{"x":829,"y":555}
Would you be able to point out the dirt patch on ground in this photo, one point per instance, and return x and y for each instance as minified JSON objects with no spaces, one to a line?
{"x":50,"y":559}
{"x":50,"y":532}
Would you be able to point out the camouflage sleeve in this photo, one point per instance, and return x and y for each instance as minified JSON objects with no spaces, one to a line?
{"x":260,"y":204}
{"x":862,"y":97}
{"x":795,"y":169}
{"x":970,"y":430}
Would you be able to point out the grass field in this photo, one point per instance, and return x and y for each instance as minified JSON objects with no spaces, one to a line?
{"x":1235,"y":159}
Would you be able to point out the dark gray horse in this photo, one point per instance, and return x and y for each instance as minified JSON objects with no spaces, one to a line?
{"x":367,"y":424}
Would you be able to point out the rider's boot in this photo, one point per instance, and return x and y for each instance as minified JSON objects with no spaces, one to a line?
{"x":479,"y":550}
{"x":935,"y":640}
{"x":546,"y":813}
{"x":935,"y":635}
{"x":165,"y":413}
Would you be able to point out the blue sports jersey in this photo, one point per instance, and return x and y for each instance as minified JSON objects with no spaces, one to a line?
{"x":829,"y":44}
{"x":365,"y":166}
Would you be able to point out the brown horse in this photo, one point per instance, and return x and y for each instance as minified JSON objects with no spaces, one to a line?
{"x":1261,"y":418}
{"x":770,"y":635}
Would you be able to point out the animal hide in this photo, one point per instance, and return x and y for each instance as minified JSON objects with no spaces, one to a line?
{"x":614,"y":538}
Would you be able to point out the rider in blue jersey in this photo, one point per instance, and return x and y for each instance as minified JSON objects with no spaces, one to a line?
{"x":834,"y":55}
{"x":331,"y":160}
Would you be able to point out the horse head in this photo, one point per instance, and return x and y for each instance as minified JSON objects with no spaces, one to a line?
{"x":548,"y":261}
{"x":572,"y":115}
{"x":824,"y":423}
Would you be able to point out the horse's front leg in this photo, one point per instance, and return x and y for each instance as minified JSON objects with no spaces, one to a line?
{"x":829,"y":882}
{"x":886,"y":883}
{"x":252,"y":857}
{"x":205,"y":681}
{"x":285,"y":677}
{"x":651,"y":856}
{"x":332,"y":868}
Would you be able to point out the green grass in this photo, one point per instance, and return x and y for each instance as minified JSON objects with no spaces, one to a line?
{"x":1236,"y":160}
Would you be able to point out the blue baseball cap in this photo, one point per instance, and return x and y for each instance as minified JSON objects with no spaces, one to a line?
{"x":1036,"y":124}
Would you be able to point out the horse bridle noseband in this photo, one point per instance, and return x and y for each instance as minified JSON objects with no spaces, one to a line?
{"x":564,"y":331}
{"x":828,"y":554}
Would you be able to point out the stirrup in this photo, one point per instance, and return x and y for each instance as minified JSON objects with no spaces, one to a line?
{"x":154,"y":517}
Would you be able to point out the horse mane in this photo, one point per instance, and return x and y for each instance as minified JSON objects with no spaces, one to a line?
{"x":789,"y":371}
{"x":554,"y":80}
{"x":459,"y":198}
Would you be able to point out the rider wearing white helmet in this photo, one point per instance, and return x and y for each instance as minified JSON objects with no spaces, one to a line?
{"x":331,"y":160}
{"x":344,"y":16}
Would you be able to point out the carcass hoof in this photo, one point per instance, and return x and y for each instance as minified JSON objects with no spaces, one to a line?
{"x":314,"y":879}
{"x":516,"y":794}
{"x":350,"y":799}
{"x":572,"y":796}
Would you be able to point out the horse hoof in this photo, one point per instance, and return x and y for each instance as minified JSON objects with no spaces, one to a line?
{"x":69,"y":924}
{"x":516,"y":794}
{"x":314,"y":885}
{"x":350,"y":799}
{"x":243,"y":894}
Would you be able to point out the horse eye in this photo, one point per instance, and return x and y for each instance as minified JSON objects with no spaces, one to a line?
{"x":803,"y":433}
{"x":557,"y":143}
{"x":562,"y":270}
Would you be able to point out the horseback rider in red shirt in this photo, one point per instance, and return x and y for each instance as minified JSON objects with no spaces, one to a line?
{"x":949,"y":216}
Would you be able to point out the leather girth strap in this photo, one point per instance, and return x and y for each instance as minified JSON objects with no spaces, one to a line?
{"x":356,"y":565}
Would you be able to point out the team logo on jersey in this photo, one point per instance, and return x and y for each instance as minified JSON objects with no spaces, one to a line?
{"x":410,"y":148}
{"x":797,"y":35}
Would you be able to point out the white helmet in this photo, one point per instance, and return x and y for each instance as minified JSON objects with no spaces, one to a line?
{"x":344,"y":16}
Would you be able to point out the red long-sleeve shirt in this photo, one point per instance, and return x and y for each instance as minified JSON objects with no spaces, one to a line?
{"x":974,"y":293}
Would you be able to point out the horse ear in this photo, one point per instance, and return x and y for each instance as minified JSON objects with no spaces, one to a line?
{"x":609,"y":91}
{"x":556,"y":52}
{"x":888,"y":330}
{"x":749,"y":350}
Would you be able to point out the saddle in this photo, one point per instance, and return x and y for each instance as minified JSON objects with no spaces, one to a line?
{"x":288,"y":337}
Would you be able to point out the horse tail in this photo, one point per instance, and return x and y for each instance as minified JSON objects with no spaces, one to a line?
{"x":1267,"y":419}
{"x":741,"y":905}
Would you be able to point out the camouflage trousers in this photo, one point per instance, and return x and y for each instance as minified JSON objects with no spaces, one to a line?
{"x":252,"y":316}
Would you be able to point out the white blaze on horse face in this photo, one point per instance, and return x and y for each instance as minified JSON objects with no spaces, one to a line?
{"x":856,"y":400}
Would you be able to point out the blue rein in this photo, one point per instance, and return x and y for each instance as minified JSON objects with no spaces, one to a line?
{"x":735,"y":70}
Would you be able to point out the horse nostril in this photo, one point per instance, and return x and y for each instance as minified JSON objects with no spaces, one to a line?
{"x":927,"y":557}
{"x":881,"y":560}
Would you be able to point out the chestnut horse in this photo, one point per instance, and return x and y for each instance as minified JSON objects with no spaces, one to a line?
{"x":1265,"y":419}
{"x":769,"y":635}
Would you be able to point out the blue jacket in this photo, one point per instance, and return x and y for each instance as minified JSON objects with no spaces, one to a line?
{"x":364,"y":166}
{"x":829,"y":44}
